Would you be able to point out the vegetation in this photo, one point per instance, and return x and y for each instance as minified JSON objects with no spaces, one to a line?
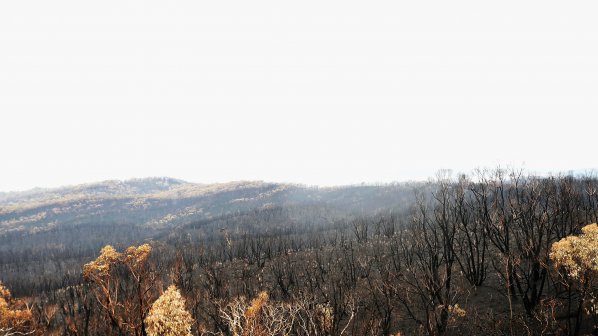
{"x":13,"y":319}
{"x":576,"y":260}
{"x":168,"y":316}
{"x":498,"y":253}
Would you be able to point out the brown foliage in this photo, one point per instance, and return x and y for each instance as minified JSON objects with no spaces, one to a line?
{"x":168,"y":316}
{"x":124,"y":311}
{"x":15,"y":317}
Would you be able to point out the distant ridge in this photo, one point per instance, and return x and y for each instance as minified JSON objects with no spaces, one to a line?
{"x":131,"y":187}
{"x":163,"y":202}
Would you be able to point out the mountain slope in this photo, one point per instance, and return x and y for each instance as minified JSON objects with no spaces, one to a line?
{"x":164,"y":202}
{"x":71,"y":224}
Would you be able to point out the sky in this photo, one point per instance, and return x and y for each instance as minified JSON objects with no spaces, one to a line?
{"x":314,"y":92}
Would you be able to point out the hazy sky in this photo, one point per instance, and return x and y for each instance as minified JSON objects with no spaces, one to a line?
{"x":316,"y":92}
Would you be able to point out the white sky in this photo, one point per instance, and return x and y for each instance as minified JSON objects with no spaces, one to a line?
{"x":316,"y":92}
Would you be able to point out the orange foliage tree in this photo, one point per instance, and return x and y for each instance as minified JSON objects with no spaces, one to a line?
{"x":168,"y":315}
{"x":15,"y":317}
{"x":576,"y":261}
{"x":122,"y":284}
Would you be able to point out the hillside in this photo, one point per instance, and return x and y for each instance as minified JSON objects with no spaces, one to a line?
{"x":70,"y":224}
{"x":424,"y":258}
{"x":166,"y":202}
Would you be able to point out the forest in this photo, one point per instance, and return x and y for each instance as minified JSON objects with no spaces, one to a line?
{"x":495,"y":252}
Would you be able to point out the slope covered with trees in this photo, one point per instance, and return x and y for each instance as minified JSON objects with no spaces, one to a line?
{"x":498,"y":253}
